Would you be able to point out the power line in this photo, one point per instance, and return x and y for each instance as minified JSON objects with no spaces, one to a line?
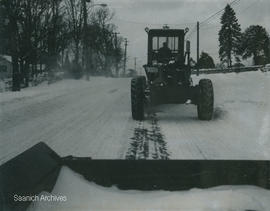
{"x":214,"y":51}
{"x":246,"y":8}
{"x":210,"y":17}
{"x":210,"y":27}
{"x":150,"y":23}
{"x":218,"y":12}
{"x":239,"y":12}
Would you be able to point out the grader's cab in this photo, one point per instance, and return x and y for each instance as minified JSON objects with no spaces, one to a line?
{"x":168,"y":76}
{"x":174,"y":39}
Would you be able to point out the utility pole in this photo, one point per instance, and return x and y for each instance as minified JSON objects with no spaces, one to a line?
{"x":85,"y":38}
{"x":198,"y":46}
{"x":125,"y":56}
{"x":16,"y":79}
{"x":116,"y":56}
{"x":135,"y":63}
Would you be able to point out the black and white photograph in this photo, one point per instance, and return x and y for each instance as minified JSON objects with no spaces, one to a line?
{"x":134,"y":105}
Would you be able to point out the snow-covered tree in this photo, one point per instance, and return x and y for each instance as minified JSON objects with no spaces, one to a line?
{"x":255,"y":43}
{"x":229,"y":36}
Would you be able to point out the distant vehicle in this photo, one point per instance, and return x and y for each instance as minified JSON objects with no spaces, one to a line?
{"x":131,"y":73}
{"x":168,"y":78}
{"x":266,"y":68}
{"x":238,"y":65}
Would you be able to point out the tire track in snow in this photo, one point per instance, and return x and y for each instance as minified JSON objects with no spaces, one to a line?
{"x":148,"y":141}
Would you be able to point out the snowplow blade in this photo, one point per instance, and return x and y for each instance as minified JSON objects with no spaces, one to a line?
{"x":171,"y":175}
{"x":28,"y":174}
{"x":37,"y":169}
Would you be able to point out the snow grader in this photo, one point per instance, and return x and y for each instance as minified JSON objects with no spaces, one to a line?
{"x":168,"y":76}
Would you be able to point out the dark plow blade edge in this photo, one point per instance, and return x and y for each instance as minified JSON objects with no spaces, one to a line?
{"x":37,"y":169}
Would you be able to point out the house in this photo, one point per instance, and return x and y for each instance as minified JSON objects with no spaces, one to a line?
{"x":5,"y":67}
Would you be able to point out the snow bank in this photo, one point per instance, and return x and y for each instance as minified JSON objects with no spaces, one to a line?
{"x":42,"y":88}
{"x":83,"y":195}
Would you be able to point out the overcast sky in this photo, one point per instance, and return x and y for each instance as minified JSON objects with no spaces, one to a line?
{"x":132,"y":16}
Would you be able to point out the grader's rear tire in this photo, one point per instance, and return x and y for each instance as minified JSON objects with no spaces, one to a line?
{"x":137,"y":97}
{"x":205,"y":105}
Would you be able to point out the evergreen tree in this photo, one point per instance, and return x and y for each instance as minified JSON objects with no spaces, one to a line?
{"x":229,"y":36}
{"x":255,"y":43}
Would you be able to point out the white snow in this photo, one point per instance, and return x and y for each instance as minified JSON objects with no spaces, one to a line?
{"x":83,"y":118}
{"x":240,"y":128}
{"x":93,"y":118}
{"x":83,"y":195}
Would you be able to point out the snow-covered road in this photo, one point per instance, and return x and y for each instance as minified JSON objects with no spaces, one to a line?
{"x":93,"y":119}
{"x":240,"y":128}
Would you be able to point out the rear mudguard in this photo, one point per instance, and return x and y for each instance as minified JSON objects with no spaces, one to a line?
{"x":37,"y":169}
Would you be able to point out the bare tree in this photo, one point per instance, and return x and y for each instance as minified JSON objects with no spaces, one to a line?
{"x":30,"y":34}
{"x":10,"y":10}
{"x":39,"y":31}
{"x":106,"y":47}
{"x":75,"y":25}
